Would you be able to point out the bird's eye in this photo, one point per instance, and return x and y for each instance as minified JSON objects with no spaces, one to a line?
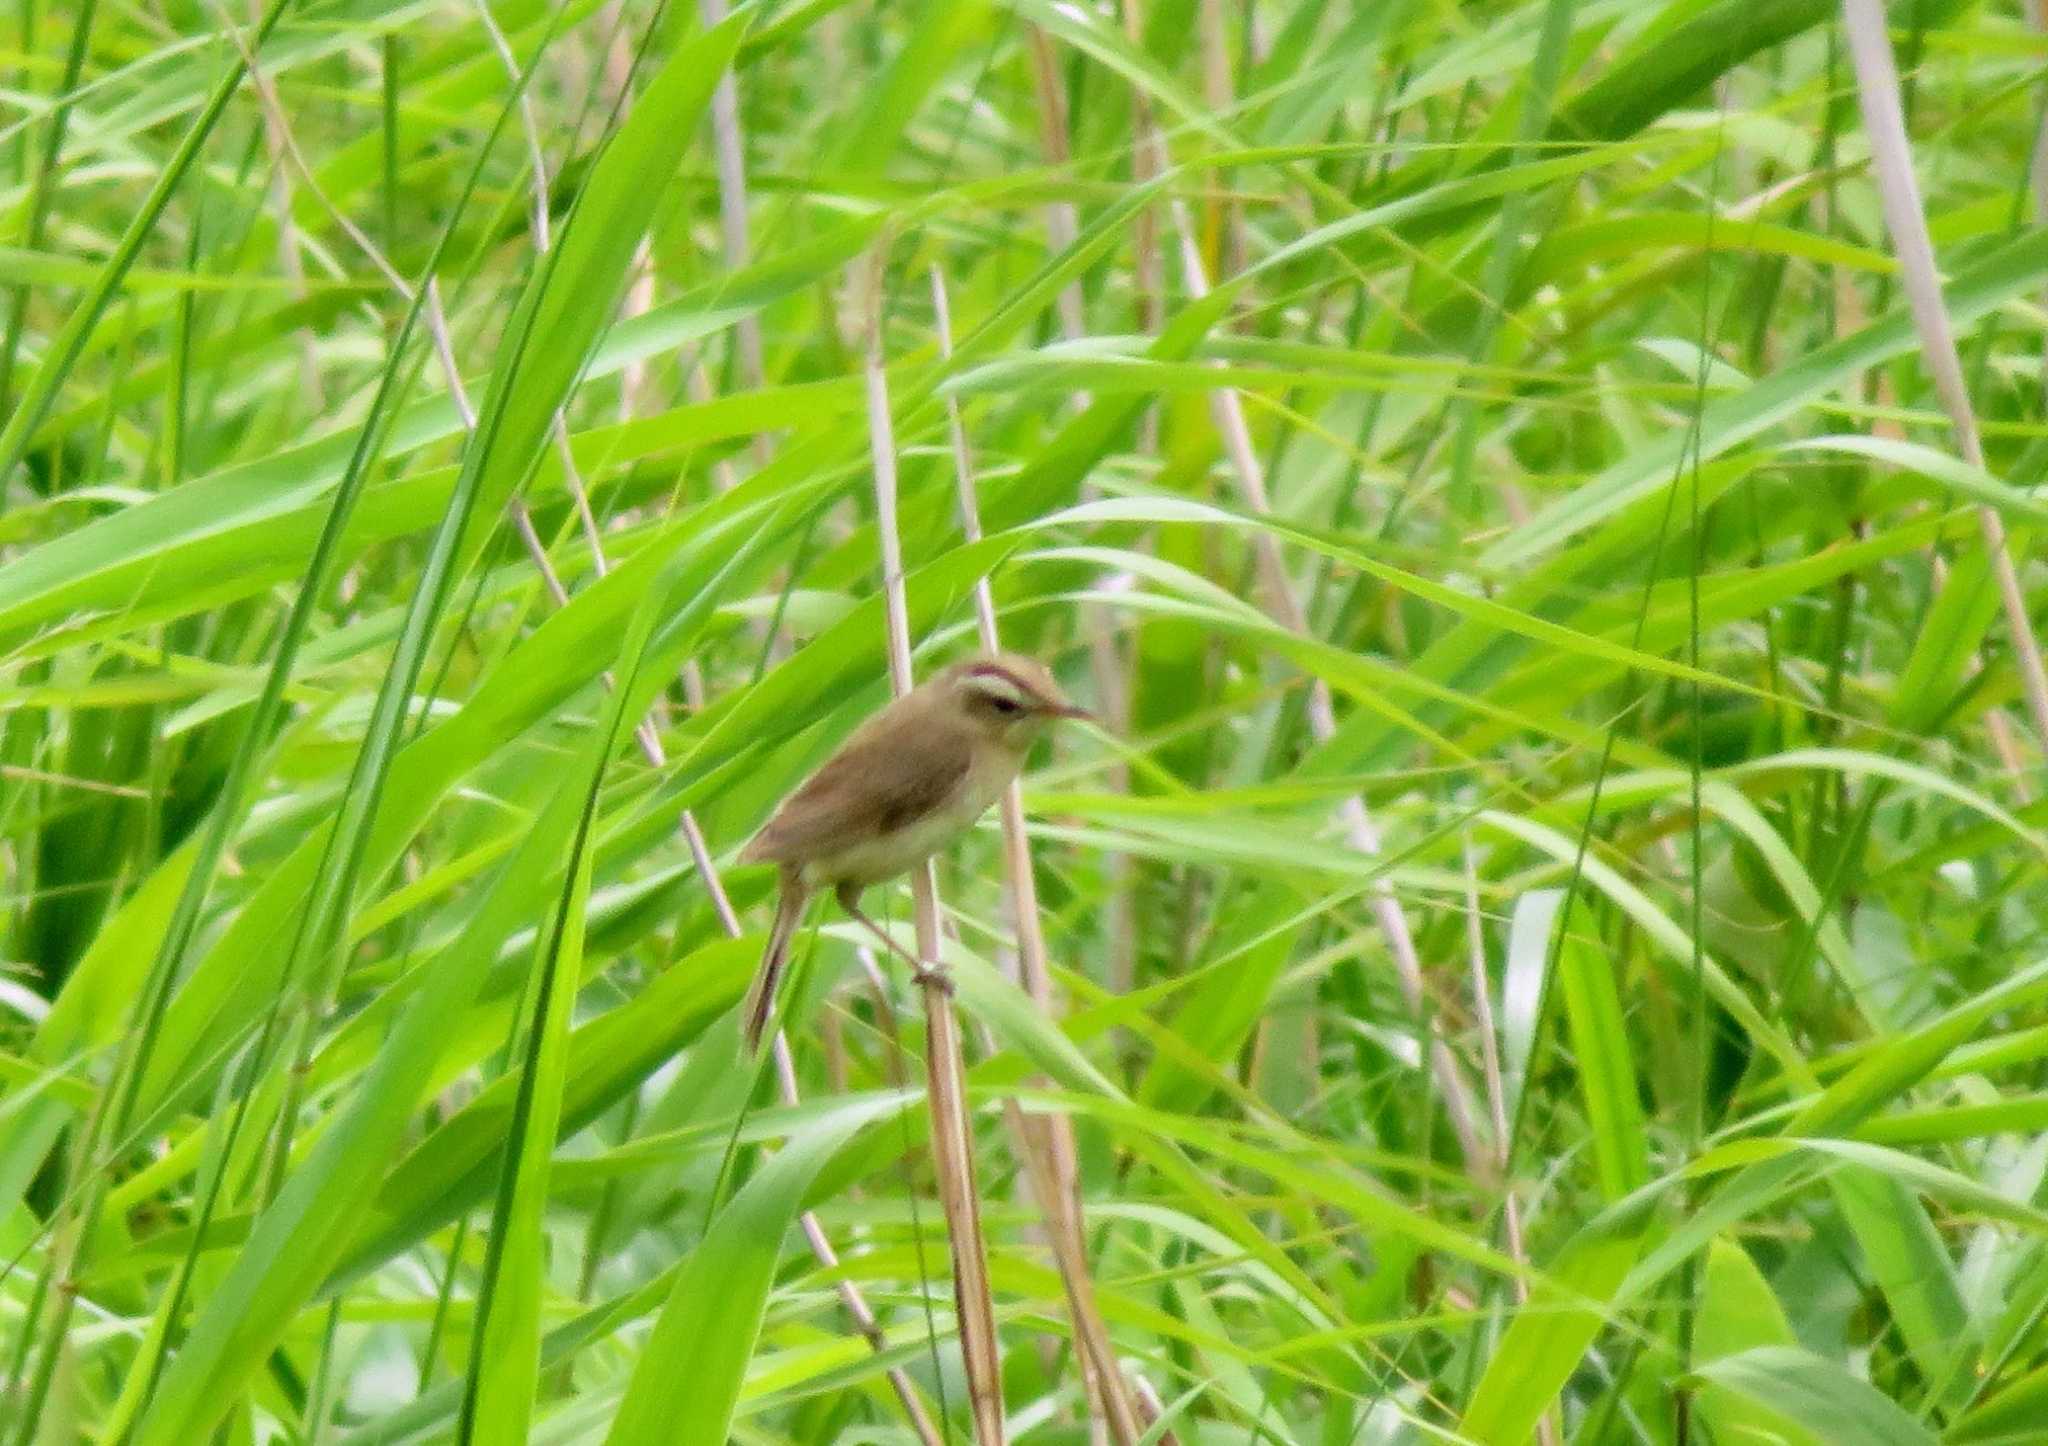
{"x":1008,"y":707}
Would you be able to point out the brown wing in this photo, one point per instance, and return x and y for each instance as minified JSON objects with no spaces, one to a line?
{"x":871,"y":786}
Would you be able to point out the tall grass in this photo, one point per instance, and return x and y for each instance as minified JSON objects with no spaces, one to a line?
{"x":1555,"y":945}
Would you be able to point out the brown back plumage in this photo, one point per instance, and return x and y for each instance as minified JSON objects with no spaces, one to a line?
{"x":869,"y":787}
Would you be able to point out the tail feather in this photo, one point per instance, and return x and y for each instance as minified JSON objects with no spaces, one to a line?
{"x":789,"y":912}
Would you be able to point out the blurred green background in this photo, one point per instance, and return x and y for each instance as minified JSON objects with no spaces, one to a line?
{"x":1548,"y":944}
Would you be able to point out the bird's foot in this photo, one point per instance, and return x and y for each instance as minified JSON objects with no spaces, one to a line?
{"x":934,"y":976}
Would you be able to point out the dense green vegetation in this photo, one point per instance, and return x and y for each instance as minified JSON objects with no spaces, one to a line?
{"x":1550,"y":941}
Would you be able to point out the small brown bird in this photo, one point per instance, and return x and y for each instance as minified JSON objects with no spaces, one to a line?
{"x":908,"y":781}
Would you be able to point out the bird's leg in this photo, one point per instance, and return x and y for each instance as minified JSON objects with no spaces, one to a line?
{"x":849,"y":900}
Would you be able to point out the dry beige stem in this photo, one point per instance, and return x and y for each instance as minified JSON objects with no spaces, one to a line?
{"x":1496,"y":1101}
{"x":1218,"y":91}
{"x":1048,"y":1142}
{"x":1147,"y":163}
{"x":1884,"y":122}
{"x":945,"y":1066}
{"x":1062,"y":224}
{"x":730,"y":145}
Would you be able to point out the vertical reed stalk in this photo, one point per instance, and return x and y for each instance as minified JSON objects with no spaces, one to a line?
{"x":1048,"y":1143}
{"x":1147,"y":163}
{"x":1496,"y":1105}
{"x":945,"y":1067}
{"x":1877,"y":92}
{"x":1062,"y":225}
{"x":730,"y":145}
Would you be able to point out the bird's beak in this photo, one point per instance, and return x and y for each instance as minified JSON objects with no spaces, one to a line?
{"x":1071,"y":710}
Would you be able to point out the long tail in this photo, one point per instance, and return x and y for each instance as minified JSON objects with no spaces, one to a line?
{"x":789,"y":912}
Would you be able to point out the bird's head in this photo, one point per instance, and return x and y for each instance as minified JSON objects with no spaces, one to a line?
{"x":1008,"y":699}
